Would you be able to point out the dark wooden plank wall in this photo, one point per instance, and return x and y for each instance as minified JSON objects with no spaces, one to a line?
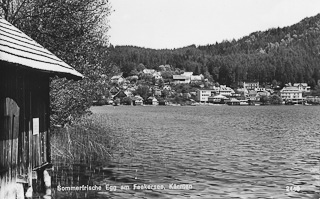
{"x":9,"y":141}
{"x":30,"y":90}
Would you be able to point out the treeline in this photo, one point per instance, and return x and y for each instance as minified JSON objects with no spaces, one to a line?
{"x":289,"y":54}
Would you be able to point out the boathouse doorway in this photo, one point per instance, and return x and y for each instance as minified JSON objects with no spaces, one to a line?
{"x":9,"y":139}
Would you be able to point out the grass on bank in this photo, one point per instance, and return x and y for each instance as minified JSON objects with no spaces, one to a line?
{"x":86,"y":141}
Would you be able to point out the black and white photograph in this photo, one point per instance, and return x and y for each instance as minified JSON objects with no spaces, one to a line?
{"x":160,"y":99}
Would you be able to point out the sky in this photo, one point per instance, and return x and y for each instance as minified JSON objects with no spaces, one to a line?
{"x":161,"y":24}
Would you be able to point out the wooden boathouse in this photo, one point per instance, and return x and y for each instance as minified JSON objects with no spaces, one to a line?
{"x":25,"y":69}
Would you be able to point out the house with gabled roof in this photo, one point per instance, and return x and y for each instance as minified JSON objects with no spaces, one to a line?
{"x":114,"y":90}
{"x":121,"y":94}
{"x":25,"y":71}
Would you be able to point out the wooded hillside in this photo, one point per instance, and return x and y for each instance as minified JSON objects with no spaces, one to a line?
{"x":289,"y":54}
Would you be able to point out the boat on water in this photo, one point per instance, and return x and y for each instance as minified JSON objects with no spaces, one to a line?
{"x":244,"y":103}
{"x":233,"y":102}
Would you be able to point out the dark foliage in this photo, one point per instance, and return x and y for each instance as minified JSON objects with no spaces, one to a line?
{"x":278,"y":55}
{"x":75,"y":31}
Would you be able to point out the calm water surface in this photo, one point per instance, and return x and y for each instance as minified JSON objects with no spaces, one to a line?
{"x":221,"y":151}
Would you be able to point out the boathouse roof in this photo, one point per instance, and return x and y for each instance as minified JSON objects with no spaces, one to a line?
{"x":18,"y":48}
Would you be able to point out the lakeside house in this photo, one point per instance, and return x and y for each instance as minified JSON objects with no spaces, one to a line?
{"x":226,"y":91}
{"x":217,"y":99}
{"x":137,"y":100}
{"x":250,"y":85}
{"x":204,"y":94}
{"x":291,"y":93}
{"x":152,"y":101}
{"x":252,"y":95}
{"x":233,"y":102}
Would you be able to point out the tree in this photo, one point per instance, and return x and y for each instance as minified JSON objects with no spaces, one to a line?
{"x":275,"y":99}
{"x":264,"y":100}
{"x":134,"y":72}
{"x":167,"y":74}
{"x":140,"y":67}
{"x":274,"y":83}
{"x":143,"y":91}
{"x":126,"y":101}
{"x":75,"y":31}
{"x":165,"y":93}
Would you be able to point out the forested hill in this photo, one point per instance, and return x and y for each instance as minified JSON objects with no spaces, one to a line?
{"x":289,"y":54}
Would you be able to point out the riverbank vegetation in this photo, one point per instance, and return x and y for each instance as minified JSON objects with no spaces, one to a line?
{"x":86,"y":141}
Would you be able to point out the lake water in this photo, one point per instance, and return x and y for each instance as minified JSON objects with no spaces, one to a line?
{"x":214,"y":151}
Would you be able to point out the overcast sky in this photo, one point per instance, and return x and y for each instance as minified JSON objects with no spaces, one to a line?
{"x":177,"y":23}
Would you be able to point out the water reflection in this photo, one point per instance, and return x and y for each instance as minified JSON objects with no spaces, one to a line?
{"x":223,"y":152}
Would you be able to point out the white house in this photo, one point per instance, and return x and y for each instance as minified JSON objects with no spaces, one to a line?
{"x":291,"y":93}
{"x":180,"y":79}
{"x":250,"y":85}
{"x":226,"y":91}
{"x":196,"y":78}
{"x":204,"y":94}
{"x":157,"y":75}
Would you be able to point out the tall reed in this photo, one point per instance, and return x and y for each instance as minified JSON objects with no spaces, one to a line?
{"x":85,"y":141}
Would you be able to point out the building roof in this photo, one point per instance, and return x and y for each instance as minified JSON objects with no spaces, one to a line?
{"x":177,"y":77}
{"x":300,"y":84}
{"x":291,"y":88}
{"x":18,"y":48}
{"x":220,"y":97}
{"x":116,"y":77}
{"x":234,"y":100}
{"x":196,"y":77}
{"x":188,"y":74}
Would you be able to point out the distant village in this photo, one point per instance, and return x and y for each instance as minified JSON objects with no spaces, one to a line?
{"x":165,"y":87}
